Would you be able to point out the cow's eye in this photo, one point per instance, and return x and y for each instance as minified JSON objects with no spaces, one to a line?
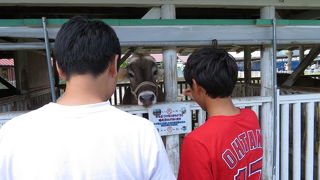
{"x":155,"y":72}
{"x":131,"y":74}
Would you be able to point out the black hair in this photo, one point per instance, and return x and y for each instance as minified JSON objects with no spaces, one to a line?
{"x":215,"y":70}
{"x":85,"y":46}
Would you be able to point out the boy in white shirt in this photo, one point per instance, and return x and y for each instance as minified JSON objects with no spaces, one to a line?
{"x":83,"y":137}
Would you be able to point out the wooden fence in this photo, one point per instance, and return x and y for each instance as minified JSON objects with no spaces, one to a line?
{"x":30,"y":101}
{"x":298,"y":137}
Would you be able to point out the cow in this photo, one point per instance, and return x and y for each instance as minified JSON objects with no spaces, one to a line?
{"x":143,"y":74}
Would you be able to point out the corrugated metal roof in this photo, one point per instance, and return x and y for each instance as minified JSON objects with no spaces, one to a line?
{"x":6,"y":62}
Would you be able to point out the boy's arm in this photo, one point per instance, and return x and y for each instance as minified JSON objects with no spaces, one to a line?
{"x":195,"y":163}
{"x":187,"y":92}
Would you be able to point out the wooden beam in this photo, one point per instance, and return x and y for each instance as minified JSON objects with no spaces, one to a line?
{"x":285,"y":4}
{"x":302,"y":66}
{"x":153,"y":13}
{"x":267,"y":110}
{"x":127,"y":54}
{"x":247,"y":64}
{"x":168,"y":11}
{"x":301,"y":52}
{"x":293,"y":48}
{"x":290,"y":54}
{"x":247,"y":68}
{"x":234,"y":48}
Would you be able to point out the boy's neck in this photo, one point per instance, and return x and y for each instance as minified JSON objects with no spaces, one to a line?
{"x":82,"y":90}
{"x":221,"y":107}
{"x":75,"y":98}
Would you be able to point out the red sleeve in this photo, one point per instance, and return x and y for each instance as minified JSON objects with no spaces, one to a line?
{"x":195,"y":163}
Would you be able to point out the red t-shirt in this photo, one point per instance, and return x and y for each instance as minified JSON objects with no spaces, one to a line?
{"x":224,"y":147}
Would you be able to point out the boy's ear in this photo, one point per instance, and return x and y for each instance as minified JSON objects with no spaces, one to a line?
{"x":194,"y":83}
{"x":196,"y":87}
{"x":60,"y":72}
{"x":113,"y":66}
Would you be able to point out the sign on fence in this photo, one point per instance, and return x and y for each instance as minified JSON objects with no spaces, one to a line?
{"x":171,"y":119}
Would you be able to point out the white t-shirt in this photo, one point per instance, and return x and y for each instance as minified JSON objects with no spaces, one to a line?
{"x":88,"y":142}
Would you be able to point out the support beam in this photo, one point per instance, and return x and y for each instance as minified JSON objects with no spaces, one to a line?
{"x":292,"y":48}
{"x":247,"y":64}
{"x":302,"y":66}
{"x":267,"y":121}
{"x":21,"y":75}
{"x":301,"y":53}
{"x":22,"y":46}
{"x":153,"y":13}
{"x":171,"y":92}
{"x":247,"y":69}
{"x":7,"y":84}
{"x":290,"y":54}
{"x":293,"y":4}
{"x":127,"y":54}
{"x":171,"y":88}
{"x":168,"y":11}
{"x":181,"y":33}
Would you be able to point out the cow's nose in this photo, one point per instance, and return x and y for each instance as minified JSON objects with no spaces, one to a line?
{"x":147,"y":97}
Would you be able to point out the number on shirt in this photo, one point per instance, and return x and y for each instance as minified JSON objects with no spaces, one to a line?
{"x":254,"y":167}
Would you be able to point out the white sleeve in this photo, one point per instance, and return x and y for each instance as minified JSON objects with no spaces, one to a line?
{"x":158,"y":162}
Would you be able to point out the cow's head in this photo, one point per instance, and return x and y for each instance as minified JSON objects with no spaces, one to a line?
{"x":143,"y":72}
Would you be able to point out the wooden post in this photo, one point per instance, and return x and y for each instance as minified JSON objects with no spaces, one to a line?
{"x":285,"y":141}
{"x":247,"y":69}
{"x":309,"y":165}
{"x":296,"y":160}
{"x":290,"y":53}
{"x":20,"y":64}
{"x":153,"y":13}
{"x":7,"y":84}
{"x":170,"y":86}
{"x":301,"y":53}
{"x":267,"y":120}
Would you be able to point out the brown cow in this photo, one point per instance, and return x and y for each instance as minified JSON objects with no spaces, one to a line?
{"x":143,"y":73}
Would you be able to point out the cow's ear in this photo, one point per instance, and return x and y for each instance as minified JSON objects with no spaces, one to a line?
{"x":160,"y":74}
{"x":122,"y":74}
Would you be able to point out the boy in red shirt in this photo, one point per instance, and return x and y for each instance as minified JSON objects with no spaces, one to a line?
{"x":229,"y":144}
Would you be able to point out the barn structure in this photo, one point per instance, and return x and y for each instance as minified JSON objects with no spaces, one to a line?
{"x":289,"y":117}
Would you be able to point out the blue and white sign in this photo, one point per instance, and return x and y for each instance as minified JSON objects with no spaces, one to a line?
{"x":171,"y":119}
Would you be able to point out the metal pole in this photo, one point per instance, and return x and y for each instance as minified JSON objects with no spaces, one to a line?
{"x":50,"y":71}
{"x":275,"y":94}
